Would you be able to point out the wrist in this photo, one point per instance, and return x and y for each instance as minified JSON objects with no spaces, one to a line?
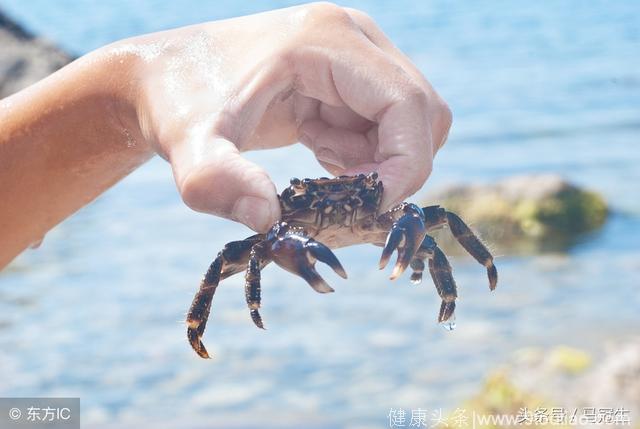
{"x":114,"y":73}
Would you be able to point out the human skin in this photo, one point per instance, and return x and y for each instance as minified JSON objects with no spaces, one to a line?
{"x":201,"y":95}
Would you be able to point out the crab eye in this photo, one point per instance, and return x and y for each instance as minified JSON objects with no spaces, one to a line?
{"x":295,"y":181}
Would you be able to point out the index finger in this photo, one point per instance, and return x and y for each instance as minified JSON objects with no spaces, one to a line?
{"x":439,"y":115}
{"x":373,"y":85}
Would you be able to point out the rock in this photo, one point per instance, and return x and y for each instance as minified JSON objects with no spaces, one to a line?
{"x":24,"y":58}
{"x":569,"y":360}
{"x":592,"y":391}
{"x":617,"y":379}
{"x":610,"y":381}
{"x":498,"y":396}
{"x":541,"y":210}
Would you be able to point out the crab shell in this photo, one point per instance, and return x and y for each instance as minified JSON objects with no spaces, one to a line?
{"x":337,"y":212}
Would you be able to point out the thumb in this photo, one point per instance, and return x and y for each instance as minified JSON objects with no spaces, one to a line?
{"x":213,"y":177}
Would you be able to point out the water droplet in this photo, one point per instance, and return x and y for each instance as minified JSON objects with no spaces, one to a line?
{"x":35,"y":244}
{"x":450,"y":324}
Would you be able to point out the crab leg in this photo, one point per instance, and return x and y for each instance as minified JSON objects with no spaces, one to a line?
{"x":441,"y":275}
{"x":437,"y":216}
{"x":252,"y":289}
{"x":445,"y":284}
{"x":230,"y":260}
{"x":474,"y":246}
{"x":406,"y":235}
{"x":417,"y":263}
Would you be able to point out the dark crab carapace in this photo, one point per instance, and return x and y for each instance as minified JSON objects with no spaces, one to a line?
{"x":319,"y":214}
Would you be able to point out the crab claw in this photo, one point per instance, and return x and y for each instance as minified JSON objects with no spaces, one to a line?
{"x":298,"y":254}
{"x":324,"y":254}
{"x":406,"y":236}
{"x":393,"y":240}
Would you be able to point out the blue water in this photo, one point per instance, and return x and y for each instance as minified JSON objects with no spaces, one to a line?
{"x":97,"y":311}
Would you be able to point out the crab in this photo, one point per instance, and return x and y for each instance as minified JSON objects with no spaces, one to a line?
{"x":320,"y":214}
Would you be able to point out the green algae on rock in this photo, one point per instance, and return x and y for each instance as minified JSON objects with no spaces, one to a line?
{"x":558,"y":386}
{"x":569,"y":359}
{"x":540,"y":209}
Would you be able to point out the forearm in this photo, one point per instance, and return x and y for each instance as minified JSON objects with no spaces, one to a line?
{"x":63,"y":142}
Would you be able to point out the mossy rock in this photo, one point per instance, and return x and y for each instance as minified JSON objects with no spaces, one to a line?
{"x":499,"y":396}
{"x":539,"y":209}
{"x":25,"y":58}
{"x":569,"y":359}
{"x":561,"y":378}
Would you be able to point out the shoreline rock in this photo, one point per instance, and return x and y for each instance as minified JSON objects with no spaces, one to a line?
{"x":25,"y":58}
{"x":529,"y":211}
{"x":547,"y":382}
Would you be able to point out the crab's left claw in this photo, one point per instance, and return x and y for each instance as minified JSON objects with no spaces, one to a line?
{"x":297,"y":254}
{"x":406,"y":235}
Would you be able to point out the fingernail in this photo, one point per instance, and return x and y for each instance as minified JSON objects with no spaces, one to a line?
{"x":255,"y":212}
{"x":328,"y":156}
{"x":391,"y":197}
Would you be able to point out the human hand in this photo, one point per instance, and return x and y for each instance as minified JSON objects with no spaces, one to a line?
{"x":320,"y":74}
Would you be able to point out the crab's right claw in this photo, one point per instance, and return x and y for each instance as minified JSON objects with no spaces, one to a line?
{"x":406,"y":235}
{"x":298,"y":254}
{"x":324,"y":254}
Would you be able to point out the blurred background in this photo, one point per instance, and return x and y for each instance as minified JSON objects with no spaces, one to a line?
{"x":548,"y":90}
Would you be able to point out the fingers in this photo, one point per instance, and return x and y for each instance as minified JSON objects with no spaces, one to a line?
{"x":381,"y":115}
{"x":337,"y":149}
{"x":391,"y":98}
{"x":376,"y":82}
{"x":439,"y":113}
{"x":214,"y":178}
